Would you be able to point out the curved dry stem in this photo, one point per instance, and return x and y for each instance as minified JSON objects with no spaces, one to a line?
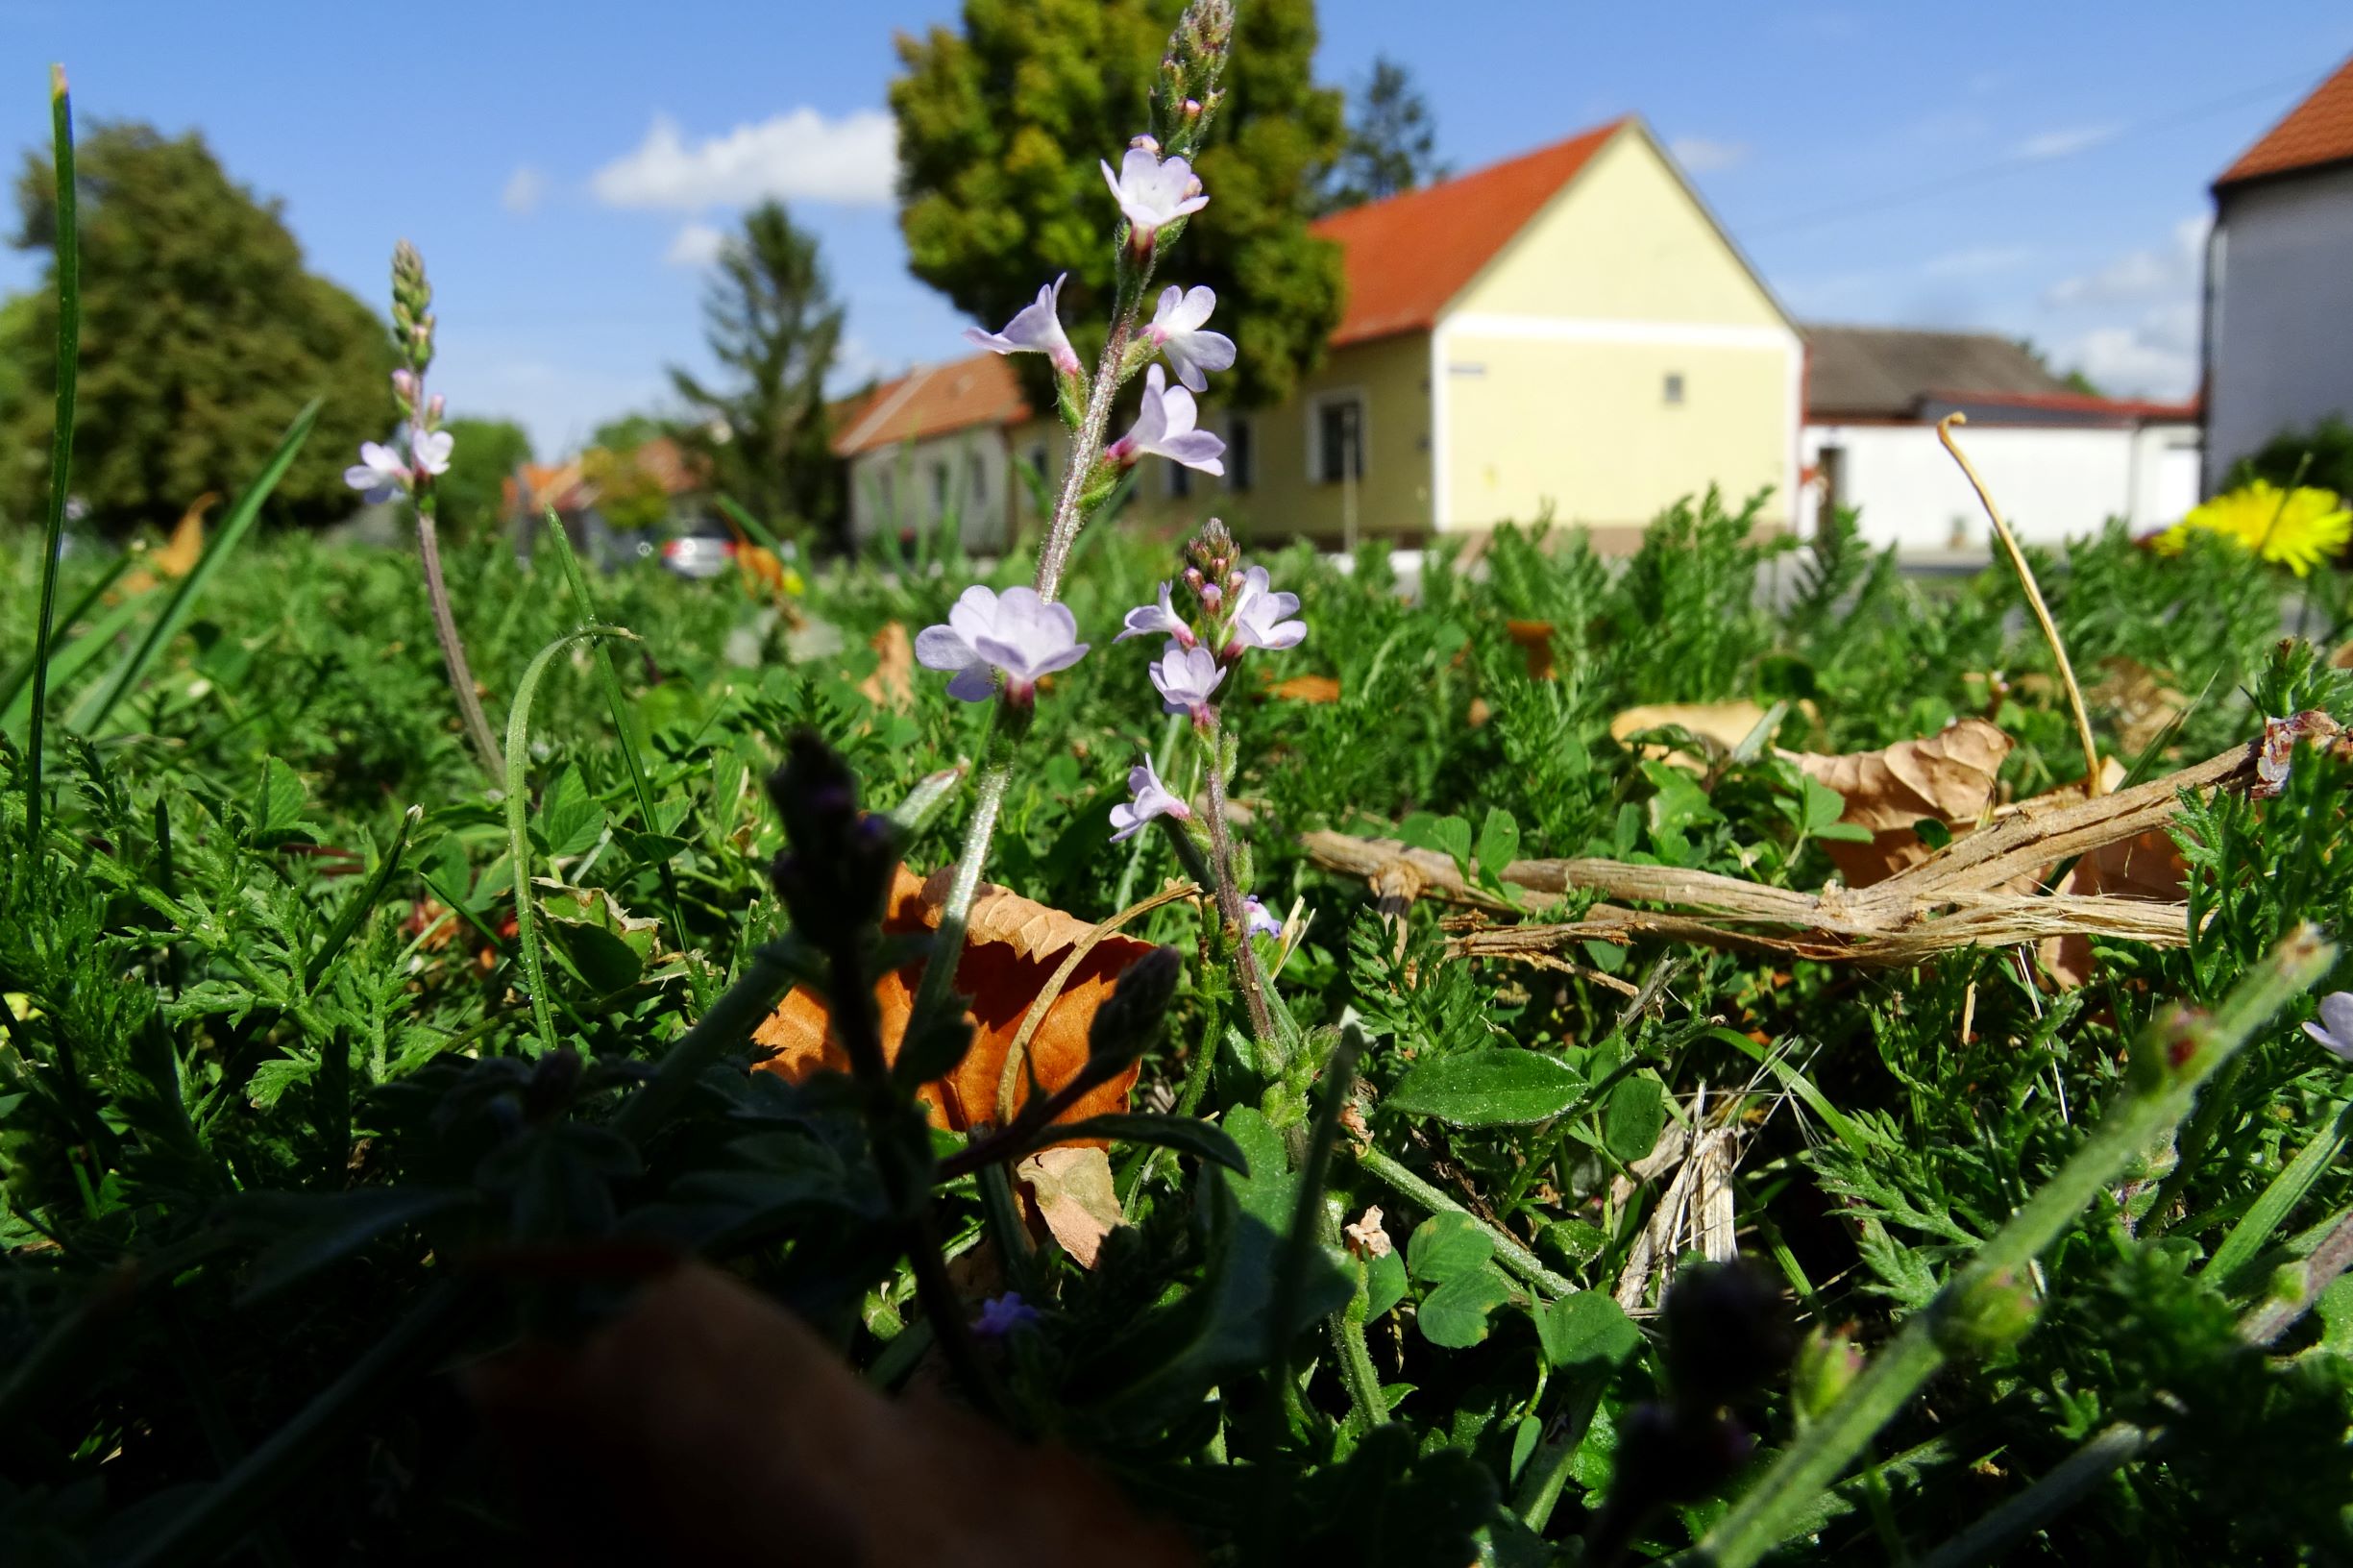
{"x":1017,"y":1055}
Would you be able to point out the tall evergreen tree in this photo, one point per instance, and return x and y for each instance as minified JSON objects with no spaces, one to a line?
{"x":1393,"y":142}
{"x":202,"y":335}
{"x":771,"y":322}
{"x":1001,"y":125}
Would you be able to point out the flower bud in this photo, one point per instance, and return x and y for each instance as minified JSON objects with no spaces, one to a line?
{"x":1827,"y":1363}
{"x":1234,"y":583}
{"x":1213,"y":597}
{"x":1987,"y":1317}
{"x":405,"y":386}
{"x":1192,"y":109}
{"x":1144,"y":139}
{"x":433,"y":407}
{"x":1192,"y":578}
{"x":1125,"y":1024}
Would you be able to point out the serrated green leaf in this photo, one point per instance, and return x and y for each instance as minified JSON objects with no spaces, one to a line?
{"x":1633,"y":1118}
{"x":278,"y":804}
{"x":1447,"y":1246}
{"x":1492,"y":1087}
{"x":1499,"y":841}
{"x":1455,"y":1314}
{"x":1449,"y":836}
{"x":1588,"y":1326}
{"x":570,"y":819}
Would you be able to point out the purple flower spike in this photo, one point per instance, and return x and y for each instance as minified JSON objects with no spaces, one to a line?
{"x":1260,"y":617}
{"x":1164,"y":427}
{"x":2334,"y":1031}
{"x":1185,"y":678}
{"x":1153,"y":195}
{"x":1153,"y":798}
{"x":1036,"y":330}
{"x":1144,"y":619}
{"x":1016,"y":632}
{"x":1179,"y":328}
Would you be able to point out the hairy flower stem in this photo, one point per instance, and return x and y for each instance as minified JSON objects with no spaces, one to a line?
{"x":939,"y":983}
{"x":2171,"y":1063}
{"x":1087,"y":440}
{"x":1230,"y":899}
{"x":454,"y":649}
{"x":1508,"y":1249}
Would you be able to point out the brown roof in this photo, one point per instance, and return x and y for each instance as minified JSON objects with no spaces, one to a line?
{"x":678,"y":472}
{"x":934,"y":401}
{"x":1408,"y":256}
{"x":2317,"y":131}
{"x":1872,"y":372}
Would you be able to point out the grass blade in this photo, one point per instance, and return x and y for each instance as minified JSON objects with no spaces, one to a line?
{"x":62,"y":438}
{"x":233,"y":527}
{"x":2247,"y":1238}
{"x":17,"y":691}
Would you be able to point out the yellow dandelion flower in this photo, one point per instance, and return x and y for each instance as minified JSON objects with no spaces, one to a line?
{"x":2296,"y":529}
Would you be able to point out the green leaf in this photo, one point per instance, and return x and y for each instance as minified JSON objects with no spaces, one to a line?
{"x":1845,"y":832}
{"x":1187,"y":1135}
{"x":278,"y":805}
{"x":1385,"y":1283}
{"x":1449,"y":836}
{"x":1586,"y":1327}
{"x":1633,"y":1118}
{"x":571,"y":819}
{"x":1455,"y":1316}
{"x":1499,"y":841}
{"x":1493,"y":1087}
{"x":1447,"y":1246}
{"x":1933,"y":833}
{"x":1823,"y":804}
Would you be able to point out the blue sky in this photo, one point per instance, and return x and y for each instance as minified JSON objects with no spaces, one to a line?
{"x":2038,"y":169}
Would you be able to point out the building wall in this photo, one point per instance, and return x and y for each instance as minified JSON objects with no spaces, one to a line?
{"x":908,"y":487}
{"x":2280,"y":276}
{"x":1553,"y":367}
{"x":2054,"y":483}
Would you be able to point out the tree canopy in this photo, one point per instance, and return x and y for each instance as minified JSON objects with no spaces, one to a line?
{"x":1391,"y":145}
{"x":771,"y":322}
{"x":202,"y":337}
{"x":470,"y":495}
{"x":1001,"y":125}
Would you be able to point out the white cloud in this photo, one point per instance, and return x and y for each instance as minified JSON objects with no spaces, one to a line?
{"x":1977,"y":261}
{"x":2156,"y":357}
{"x":2140,"y":275}
{"x":696,"y":245}
{"x":1702,"y":155}
{"x":797,"y":155}
{"x":2064,"y":143}
{"x":525,"y":188}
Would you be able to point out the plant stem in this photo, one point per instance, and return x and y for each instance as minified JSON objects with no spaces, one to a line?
{"x":2288,"y":1190}
{"x":1985,"y":1541}
{"x":453,"y":649}
{"x":1358,"y":1375}
{"x":61,"y":435}
{"x":1508,"y":1249}
{"x":1230,"y":899}
{"x":2170,"y":1065}
{"x":939,"y":983}
{"x":2274,"y":1316}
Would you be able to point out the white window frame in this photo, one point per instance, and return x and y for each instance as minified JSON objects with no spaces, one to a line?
{"x":1315,"y":443}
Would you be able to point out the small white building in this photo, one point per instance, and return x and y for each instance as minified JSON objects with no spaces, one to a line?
{"x":2279,"y":281}
{"x":2061,"y":463}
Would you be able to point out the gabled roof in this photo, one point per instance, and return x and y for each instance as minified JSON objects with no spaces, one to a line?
{"x":1409,"y":256}
{"x":938,"y":399}
{"x":1886,"y":372}
{"x":2317,"y":132}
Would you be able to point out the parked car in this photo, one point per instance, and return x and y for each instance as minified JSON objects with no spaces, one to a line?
{"x":701,"y":548}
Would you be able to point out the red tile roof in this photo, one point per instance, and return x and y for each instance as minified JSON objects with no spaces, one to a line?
{"x":2317,"y":131}
{"x":1409,"y":256}
{"x":934,"y":401}
{"x":2079,"y":403}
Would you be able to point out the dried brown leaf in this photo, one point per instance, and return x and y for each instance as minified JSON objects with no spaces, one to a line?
{"x":1948,"y":778}
{"x":1724,"y":724}
{"x":891,"y":685}
{"x":1072,"y":1186}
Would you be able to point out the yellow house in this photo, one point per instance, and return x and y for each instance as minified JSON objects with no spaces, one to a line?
{"x":1567,"y":331}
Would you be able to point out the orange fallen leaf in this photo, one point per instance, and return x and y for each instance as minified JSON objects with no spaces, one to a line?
{"x":1725,"y":723}
{"x":179,"y":554}
{"x":1535,"y":642}
{"x":1947,"y":777}
{"x":2148,"y":867}
{"x":1308,"y":689}
{"x":1013,"y":946}
{"x":891,"y":685}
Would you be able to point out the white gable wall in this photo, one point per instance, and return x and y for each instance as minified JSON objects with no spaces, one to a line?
{"x":2280,"y":312}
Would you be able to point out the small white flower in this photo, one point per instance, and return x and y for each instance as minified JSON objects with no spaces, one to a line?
{"x":1152,"y":193}
{"x":1036,"y":330}
{"x":1259,"y":918}
{"x":1177,"y":327}
{"x":2335,"y":1030}
{"x":1164,"y":427}
{"x":1185,"y":678}
{"x":379,"y":471}
{"x":1258,"y":616}
{"x":1146,"y":619}
{"x":1014,"y":632}
{"x":1153,"y":798}
{"x":432,"y":449}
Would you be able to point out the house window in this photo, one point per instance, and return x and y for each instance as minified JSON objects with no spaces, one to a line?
{"x":939,"y":487}
{"x":1177,"y":481}
{"x":979,"y":471}
{"x":1336,"y":437}
{"x":1036,"y":460}
{"x":1675,"y":388}
{"x":1242,"y":454}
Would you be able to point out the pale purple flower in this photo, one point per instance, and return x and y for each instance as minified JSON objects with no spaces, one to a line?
{"x":1146,"y":619}
{"x":1185,"y":678}
{"x":379,"y":471}
{"x":1000,"y":1315}
{"x":2335,"y":1030}
{"x":1014,"y":632}
{"x":1153,"y":798}
{"x":1164,"y":427}
{"x":1153,"y":193}
{"x":1177,"y":328}
{"x":1036,"y":330}
{"x":1257,"y":918}
{"x":1258,"y":616}
{"x":431,"y":448}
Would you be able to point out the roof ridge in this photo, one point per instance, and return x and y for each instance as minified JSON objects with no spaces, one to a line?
{"x":2316,"y":132}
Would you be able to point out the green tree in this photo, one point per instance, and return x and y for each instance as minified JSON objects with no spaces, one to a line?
{"x":1393,"y":142}
{"x":202,"y":335}
{"x":771,"y":322}
{"x":2321,"y":456}
{"x":1002,"y":126}
{"x":629,"y":433}
{"x":472,"y":494}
